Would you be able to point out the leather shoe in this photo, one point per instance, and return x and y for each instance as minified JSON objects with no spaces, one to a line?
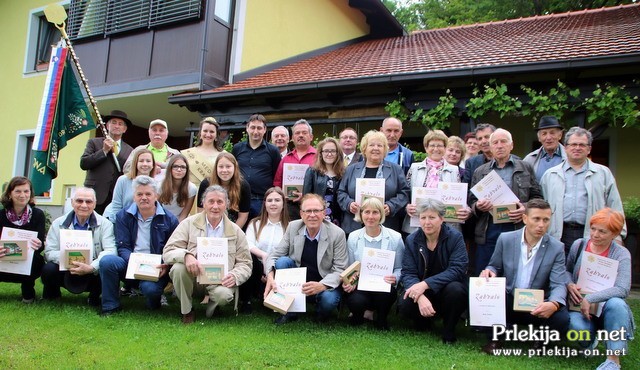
{"x":189,"y":318}
{"x":490,"y":347}
{"x":281,"y":320}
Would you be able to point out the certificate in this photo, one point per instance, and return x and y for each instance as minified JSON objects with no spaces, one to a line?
{"x":293,"y":178}
{"x":487,"y":301}
{"x":418,"y":193}
{"x":454,"y":197}
{"x":75,"y":246}
{"x":375,"y":265}
{"x":143,"y":264}
{"x":369,"y":188}
{"x":289,"y":282}
{"x":18,"y":267}
{"x":213,"y":255}
{"x":493,"y":188}
{"x":596,"y":272}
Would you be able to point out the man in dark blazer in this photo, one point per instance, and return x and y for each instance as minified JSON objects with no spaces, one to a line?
{"x":530,"y":258}
{"x":348,"y":143}
{"x":98,"y":160}
{"x":318,"y":245}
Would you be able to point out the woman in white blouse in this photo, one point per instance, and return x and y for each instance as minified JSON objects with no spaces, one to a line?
{"x":263,"y":234}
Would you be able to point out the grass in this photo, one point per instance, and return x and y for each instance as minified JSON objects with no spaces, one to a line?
{"x":70,"y":335}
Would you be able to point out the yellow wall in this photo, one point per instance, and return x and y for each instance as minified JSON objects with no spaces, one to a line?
{"x":279,"y":29}
{"x":21,"y":98}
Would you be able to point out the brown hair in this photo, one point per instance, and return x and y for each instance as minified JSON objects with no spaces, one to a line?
{"x":263,"y":217}
{"x":6,"y":200}
{"x":167,"y":190}
{"x":133,"y":171}
{"x":235,"y":184}
{"x":321,"y":166}
{"x":211,"y":121}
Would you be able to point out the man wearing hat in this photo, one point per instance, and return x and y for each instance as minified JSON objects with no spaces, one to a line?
{"x":551,"y":153}
{"x":83,"y":276}
{"x":158,"y":133}
{"x":98,"y":160}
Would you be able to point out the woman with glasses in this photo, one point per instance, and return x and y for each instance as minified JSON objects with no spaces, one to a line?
{"x":374,"y":147}
{"x":227,"y":174}
{"x":123,"y":191}
{"x":431,"y":171}
{"x":19,"y":212}
{"x":177,"y":193}
{"x":323,"y":178}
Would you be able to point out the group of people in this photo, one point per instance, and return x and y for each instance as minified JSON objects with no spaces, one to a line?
{"x":150,"y":209}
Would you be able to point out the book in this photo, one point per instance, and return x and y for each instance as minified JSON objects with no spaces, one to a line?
{"x":501,"y":213}
{"x":526,"y":300}
{"x":351,"y":274}
{"x":278,"y":302}
{"x":80,"y":243}
{"x":14,"y":250}
{"x":595,"y":309}
{"x":18,"y":267}
{"x":213,"y":274}
{"x":148,"y":272}
{"x":75,"y":255}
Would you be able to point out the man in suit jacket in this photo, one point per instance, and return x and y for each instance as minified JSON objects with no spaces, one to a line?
{"x":318,"y":245}
{"x":348,"y":142}
{"x":530,"y":258}
{"x":98,"y":160}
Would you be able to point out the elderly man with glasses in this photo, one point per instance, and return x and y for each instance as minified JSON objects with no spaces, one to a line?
{"x":318,"y":245}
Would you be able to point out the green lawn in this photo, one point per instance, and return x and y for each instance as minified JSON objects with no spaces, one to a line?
{"x":68,"y":334}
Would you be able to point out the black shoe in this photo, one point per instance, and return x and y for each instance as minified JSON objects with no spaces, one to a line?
{"x":356,"y":320}
{"x":281,"y":320}
{"x":107,"y":313}
{"x":246,"y":308}
{"x":94,"y":301}
{"x":449,"y":341}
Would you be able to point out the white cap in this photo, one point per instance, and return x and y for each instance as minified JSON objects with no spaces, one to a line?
{"x":158,"y":122}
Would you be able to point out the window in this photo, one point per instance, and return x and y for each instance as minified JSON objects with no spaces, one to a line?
{"x":41,"y":36}
{"x":24,"y":154}
{"x":223,"y":10}
{"x":106,"y":17}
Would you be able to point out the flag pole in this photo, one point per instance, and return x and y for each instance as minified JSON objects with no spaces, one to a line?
{"x":56,"y":14}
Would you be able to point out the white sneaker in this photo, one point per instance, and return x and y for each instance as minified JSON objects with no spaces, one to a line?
{"x":163,"y":301}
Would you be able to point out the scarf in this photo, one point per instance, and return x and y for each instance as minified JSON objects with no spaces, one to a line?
{"x":433,"y":176}
{"x":24,"y":219}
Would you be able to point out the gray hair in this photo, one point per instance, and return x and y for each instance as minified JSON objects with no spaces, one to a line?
{"x":390,"y":118}
{"x":144,"y":180}
{"x":484,"y":126}
{"x":216,"y":189}
{"x":578,"y":131}
{"x":82,"y":188}
{"x":502,"y":131}
{"x":429,"y":204}
{"x":302,"y":121}
{"x":280,"y":128}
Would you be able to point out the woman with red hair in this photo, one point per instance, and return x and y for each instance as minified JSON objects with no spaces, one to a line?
{"x":605,"y":226}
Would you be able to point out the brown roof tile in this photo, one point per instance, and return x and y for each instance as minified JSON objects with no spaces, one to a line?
{"x":556,"y":37}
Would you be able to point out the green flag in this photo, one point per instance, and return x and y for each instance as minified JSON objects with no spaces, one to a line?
{"x":70,"y":119}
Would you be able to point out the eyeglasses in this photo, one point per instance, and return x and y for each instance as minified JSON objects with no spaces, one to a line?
{"x":578,"y":145}
{"x":179,"y":167}
{"x":435,"y":146}
{"x":85,"y":201}
{"x":348,"y":138}
{"x":330,"y":151}
{"x":312,"y":211}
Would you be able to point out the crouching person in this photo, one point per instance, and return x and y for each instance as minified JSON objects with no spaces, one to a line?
{"x":144,"y":227}
{"x":181,"y":252}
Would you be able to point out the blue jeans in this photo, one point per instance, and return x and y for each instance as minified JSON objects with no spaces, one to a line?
{"x":113,"y":269}
{"x":326,"y":301}
{"x":615,"y":315}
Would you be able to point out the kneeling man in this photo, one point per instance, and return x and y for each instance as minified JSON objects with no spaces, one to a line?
{"x":318,"y":245}
{"x":532,"y":259}
{"x":144,"y":227}
{"x":181,"y":252}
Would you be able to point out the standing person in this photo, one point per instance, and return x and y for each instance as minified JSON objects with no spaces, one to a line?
{"x":373,"y":235}
{"x":182,"y":248}
{"x":19,"y":212}
{"x":258,"y":161}
{"x":551,"y":153}
{"x":396,"y":190}
{"x":398,"y":154}
{"x":98,"y":161}
{"x":177,"y":193}
{"x":616,"y":315}
{"x":348,"y":142}
{"x":455,"y":152}
{"x":530,"y":258}
{"x":144,"y":227}
{"x":280,"y":138}
{"x":263,"y":234}
{"x":319,"y":246}
{"x":123,"y":192}
{"x":302,"y":153}
{"x":471,"y":145}
{"x":227,"y":175}
{"x":483,"y":135}
{"x":434,"y":270}
{"x":202,"y":156}
{"x":83,"y":277}
{"x":158,"y":133}
{"x":519,"y":177}
{"x":323,"y":177}
{"x":577,"y":188}
{"x":431,"y":171}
